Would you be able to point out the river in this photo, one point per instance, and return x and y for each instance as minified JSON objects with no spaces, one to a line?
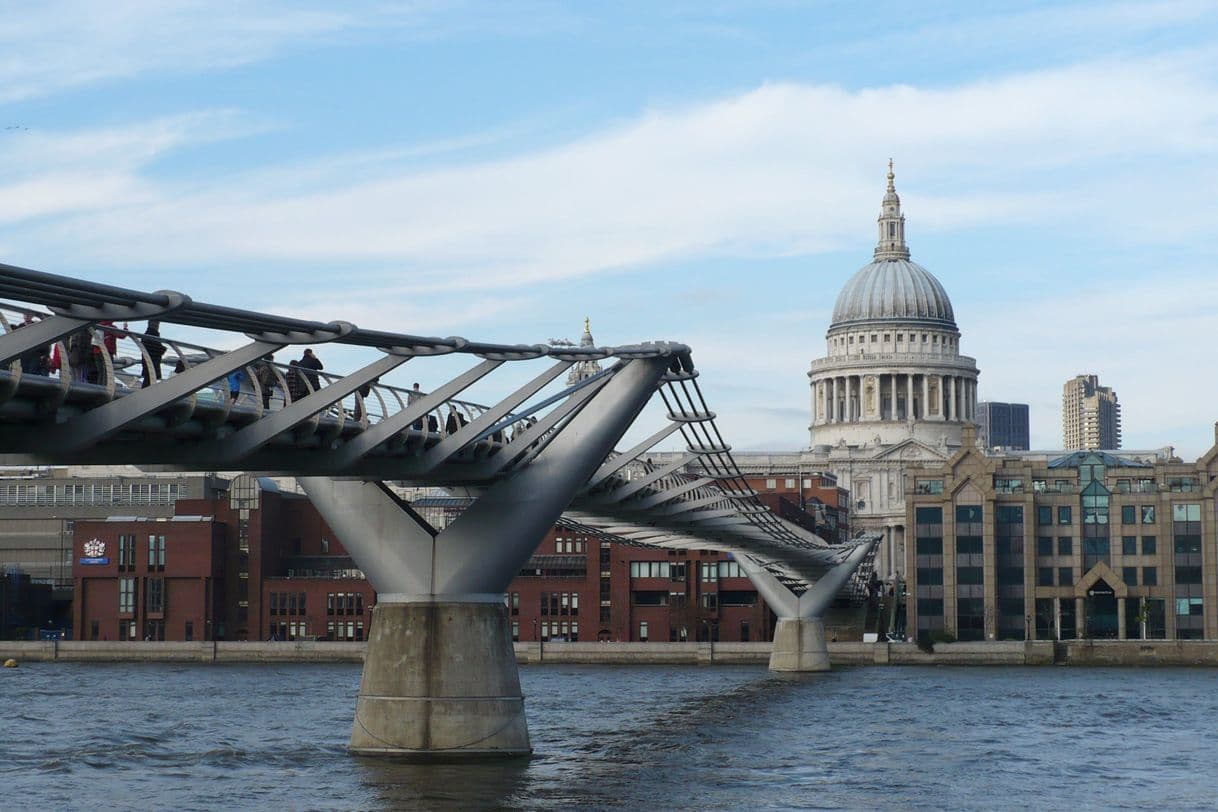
{"x":183,"y":737}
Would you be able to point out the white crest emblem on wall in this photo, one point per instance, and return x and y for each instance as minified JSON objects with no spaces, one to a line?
{"x":95,"y":548}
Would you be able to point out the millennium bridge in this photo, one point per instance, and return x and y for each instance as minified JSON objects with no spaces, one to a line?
{"x":440,"y":676}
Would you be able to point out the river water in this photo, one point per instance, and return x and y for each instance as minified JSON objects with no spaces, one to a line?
{"x":159,"y":736}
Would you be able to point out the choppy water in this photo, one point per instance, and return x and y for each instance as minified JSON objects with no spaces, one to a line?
{"x":150,"y":736}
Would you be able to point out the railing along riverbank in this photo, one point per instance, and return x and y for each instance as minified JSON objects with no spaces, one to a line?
{"x":1004,"y":653}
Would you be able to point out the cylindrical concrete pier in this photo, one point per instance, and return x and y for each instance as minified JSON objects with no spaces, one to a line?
{"x":440,"y":682}
{"x":799,"y":645}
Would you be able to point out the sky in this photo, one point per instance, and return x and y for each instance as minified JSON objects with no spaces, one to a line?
{"x":705,"y":172}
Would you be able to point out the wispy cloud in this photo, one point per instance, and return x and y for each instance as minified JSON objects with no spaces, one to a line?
{"x":778,"y":169}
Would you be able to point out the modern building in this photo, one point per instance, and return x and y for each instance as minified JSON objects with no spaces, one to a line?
{"x":1091,"y":415}
{"x":1085,"y":545}
{"x":893,"y":389}
{"x":1003,"y":426}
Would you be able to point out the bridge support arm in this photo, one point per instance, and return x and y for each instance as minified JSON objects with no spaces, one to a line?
{"x":799,"y":636}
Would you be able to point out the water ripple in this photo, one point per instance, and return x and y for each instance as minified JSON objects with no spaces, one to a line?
{"x":148,"y":736}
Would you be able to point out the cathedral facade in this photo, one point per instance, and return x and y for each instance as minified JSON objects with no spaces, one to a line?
{"x":892,"y":389}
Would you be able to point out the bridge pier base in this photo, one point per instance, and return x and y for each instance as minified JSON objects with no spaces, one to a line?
{"x":440,"y":682}
{"x":799,"y":645}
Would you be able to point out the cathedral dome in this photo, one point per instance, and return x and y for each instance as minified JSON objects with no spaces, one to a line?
{"x":892,"y":289}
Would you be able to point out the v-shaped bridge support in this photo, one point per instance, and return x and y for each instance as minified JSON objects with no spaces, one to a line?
{"x":799,"y":636}
{"x":440,"y":677}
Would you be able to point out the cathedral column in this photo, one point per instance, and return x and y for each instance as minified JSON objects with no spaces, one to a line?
{"x":833,"y":400}
{"x":925,"y":396}
{"x":909,"y":408}
{"x":951,"y":398}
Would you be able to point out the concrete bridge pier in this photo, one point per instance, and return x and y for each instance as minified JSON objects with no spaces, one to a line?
{"x":440,"y":681}
{"x":440,"y":678}
{"x":799,"y":636}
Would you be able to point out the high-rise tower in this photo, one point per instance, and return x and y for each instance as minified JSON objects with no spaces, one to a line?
{"x":1091,"y":415}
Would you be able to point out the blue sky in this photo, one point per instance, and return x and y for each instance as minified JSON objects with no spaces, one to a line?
{"x":707,"y":172}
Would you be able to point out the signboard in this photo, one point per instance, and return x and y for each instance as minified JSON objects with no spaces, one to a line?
{"x":1101,"y":590}
{"x":95,"y":552}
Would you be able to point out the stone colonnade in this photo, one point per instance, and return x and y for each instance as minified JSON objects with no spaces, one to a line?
{"x":849,"y":398}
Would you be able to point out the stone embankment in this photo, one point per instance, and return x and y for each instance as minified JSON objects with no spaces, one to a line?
{"x":1071,"y":652}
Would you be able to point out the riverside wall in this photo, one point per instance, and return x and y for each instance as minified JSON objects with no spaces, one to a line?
{"x":842,"y":654}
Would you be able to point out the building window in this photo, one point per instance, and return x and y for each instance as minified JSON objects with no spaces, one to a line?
{"x":643,"y":631}
{"x":515,"y":631}
{"x":968,"y":530}
{"x":1063,"y":514}
{"x":515,"y":603}
{"x":1148,"y":514}
{"x":1065,"y":576}
{"x":325,"y":546}
{"x":1044,"y":545}
{"x":1149,"y":546}
{"x":709,"y":572}
{"x":126,"y":596}
{"x":1044,"y":576}
{"x":928,"y":486}
{"x":1129,"y":545}
{"x":1129,"y":514}
{"x":730,"y":569}
{"x":1129,"y":575}
{"x":126,"y":553}
{"x":649,"y":569}
{"x":1150,"y":576}
{"x":189,"y":634}
{"x":1065,"y":546}
{"x":789,"y":484}
{"x":154,"y":596}
{"x":771,"y":484}
{"x":156,"y":552}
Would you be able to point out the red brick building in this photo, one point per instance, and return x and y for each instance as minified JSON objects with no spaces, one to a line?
{"x":579,"y":588}
{"x":251,"y":564}
{"x":256,"y":564}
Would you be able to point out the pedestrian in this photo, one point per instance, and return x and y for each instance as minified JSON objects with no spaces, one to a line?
{"x":266,"y":379}
{"x":296,"y":383}
{"x":311,"y":364}
{"x":365,"y":392}
{"x":235,"y":379}
{"x":155,"y":349}
{"x":80,"y":348}
{"x":38,"y":360}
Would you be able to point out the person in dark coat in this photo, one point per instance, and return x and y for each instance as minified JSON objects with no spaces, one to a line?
{"x":311,"y":364}
{"x":297,"y":388}
{"x":266,"y":379}
{"x":38,"y":360}
{"x":156,"y":351}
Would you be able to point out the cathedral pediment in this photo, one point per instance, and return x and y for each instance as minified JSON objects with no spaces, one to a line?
{"x":911,"y":450}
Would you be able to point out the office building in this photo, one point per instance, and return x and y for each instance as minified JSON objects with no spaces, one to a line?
{"x":1003,"y":426}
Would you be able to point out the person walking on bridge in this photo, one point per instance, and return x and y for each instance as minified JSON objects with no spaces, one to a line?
{"x":311,"y":364}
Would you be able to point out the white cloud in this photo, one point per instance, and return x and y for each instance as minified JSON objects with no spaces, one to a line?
{"x":52,"y":46}
{"x":779,"y":169}
{"x":1118,"y":153}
